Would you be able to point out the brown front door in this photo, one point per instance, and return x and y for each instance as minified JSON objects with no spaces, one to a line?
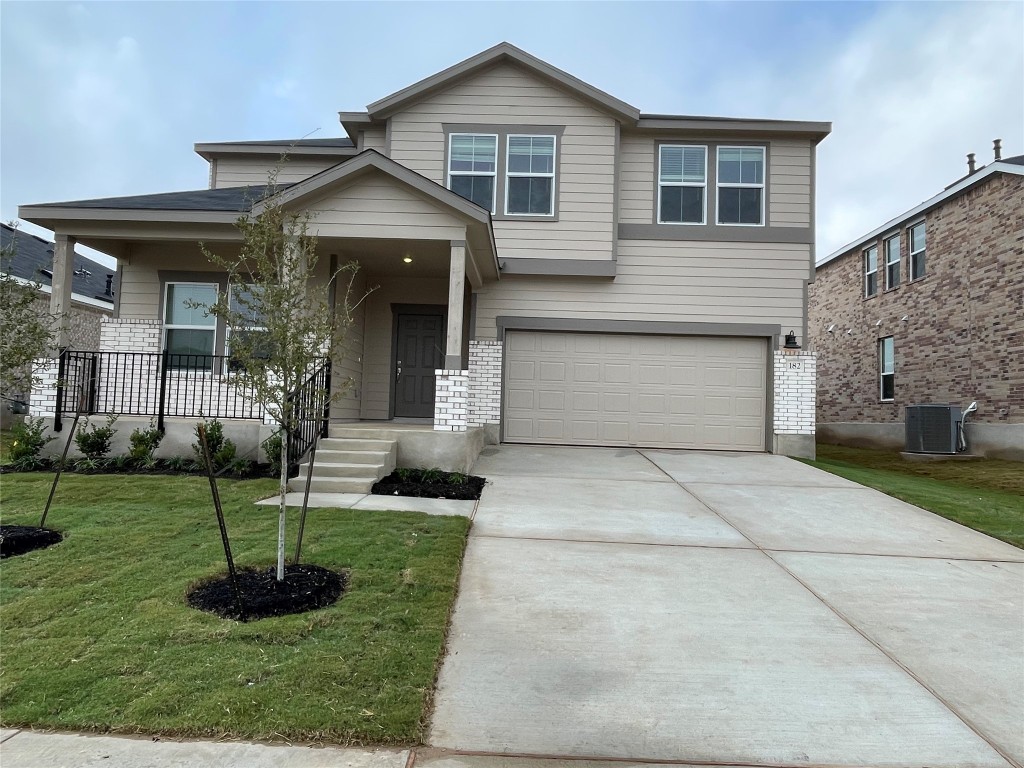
{"x":419,"y":351}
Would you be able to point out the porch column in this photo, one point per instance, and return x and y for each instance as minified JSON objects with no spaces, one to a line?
{"x":456,"y":306}
{"x":60,"y":294}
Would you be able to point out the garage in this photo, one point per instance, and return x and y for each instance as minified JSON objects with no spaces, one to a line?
{"x":653,"y":391}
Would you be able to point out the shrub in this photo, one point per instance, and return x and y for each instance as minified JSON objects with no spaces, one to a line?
{"x":272,"y":447}
{"x":222,"y":449}
{"x":432,"y":475}
{"x":180,"y":464}
{"x":94,"y":441}
{"x":27,"y":440}
{"x":143,"y":442}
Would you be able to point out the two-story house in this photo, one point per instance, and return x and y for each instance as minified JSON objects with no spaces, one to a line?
{"x":551,"y":265}
{"x":928,"y":308}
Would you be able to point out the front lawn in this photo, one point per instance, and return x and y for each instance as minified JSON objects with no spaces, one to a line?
{"x":984,"y":494}
{"x":97,"y":634}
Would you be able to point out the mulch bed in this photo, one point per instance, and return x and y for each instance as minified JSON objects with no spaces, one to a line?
{"x":112,"y":466}
{"x":436,"y":485}
{"x":19,"y":539}
{"x":305,"y":588}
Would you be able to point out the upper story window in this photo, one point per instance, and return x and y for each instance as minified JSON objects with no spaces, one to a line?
{"x":190,"y":332}
{"x":917,"y":249}
{"x":473,"y":167}
{"x":886,"y":369}
{"x":741,"y":186}
{"x":530,"y":176}
{"x":870,"y":271}
{"x":891,"y":248}
{"x":682,"y":184}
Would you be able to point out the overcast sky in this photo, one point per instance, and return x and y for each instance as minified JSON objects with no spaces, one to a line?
{"x":101,"y":99}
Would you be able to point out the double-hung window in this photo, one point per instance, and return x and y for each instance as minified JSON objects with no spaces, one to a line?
{"x":870,"y":271}
{"x":190,"y":332}
{"x":251,"y":332}
{"x":530,"y":176}
{"x":682,"y":184}
{"x":917,"y":250}
{"x":886,"y":369}
{"x":891,"y":247}
{"x":473,"y":167}
{"x":741,"y":186}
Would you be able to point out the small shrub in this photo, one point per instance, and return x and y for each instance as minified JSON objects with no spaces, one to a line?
{"x":28,"y":439}
{"x":86,"y":465}
{"x":240,"y":468}
{"x":457,"y":478}
{"x":28,"y":464}
{"x":272,"y":447}
{"x":432,"y":475}
{"x":404,"y":474}
{"x":121,"y":463}
{"x":222,"y":449}
{"x":94,"y":441}
{"x":179,"y":464}
{"x":143,"y":442}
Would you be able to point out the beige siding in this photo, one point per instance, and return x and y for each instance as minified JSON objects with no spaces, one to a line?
{"x":665,"y":281}
{"x":140,"y":279}
{"x":347,"y":373}
{"x":505,"y":95}
{"x":636,"y":179}
{"x":377,"y":206}
{"x":789,"y":178}
{"x":377,"y":373}
{"x":241,"y":172}
{"x":374,"y":138}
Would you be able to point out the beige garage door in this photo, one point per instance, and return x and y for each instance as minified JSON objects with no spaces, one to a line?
{"x":655,"y":391}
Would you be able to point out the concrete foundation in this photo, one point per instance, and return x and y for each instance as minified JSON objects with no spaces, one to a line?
{"x":994,"y":441}
{"x":421,"y":446}
{"x":799,"y":446}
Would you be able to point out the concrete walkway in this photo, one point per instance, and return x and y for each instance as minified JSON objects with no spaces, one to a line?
{"x":726,"y":609}
{"x":321,"y":500}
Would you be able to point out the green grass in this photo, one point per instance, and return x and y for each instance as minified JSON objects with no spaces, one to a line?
{"x":97,"y":634}
{"x":984,"y":494}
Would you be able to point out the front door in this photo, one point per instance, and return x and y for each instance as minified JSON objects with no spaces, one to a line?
{"x":419,"y":351}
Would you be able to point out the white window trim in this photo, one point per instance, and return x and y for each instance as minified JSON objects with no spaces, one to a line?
{"x":762,"y":186}
{"x":910,"y":246}
{"x":867,"y":272}
{"x":703,"y":185}
{"x":519,"y":174}
{"x":178,"y":327}
{"x":493,"y":174}
{"x":885,"y":252}
{"x":882,"y":373}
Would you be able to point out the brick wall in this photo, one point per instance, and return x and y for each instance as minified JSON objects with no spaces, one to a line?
{"x":129,"y":335}
{"x":451,"y":400}
{"x":963,"y":338}
{"x":794,"y":374}
{"x":484,"y":382}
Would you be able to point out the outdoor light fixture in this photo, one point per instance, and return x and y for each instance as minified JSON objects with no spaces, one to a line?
{"x":407,"y":259}
{"x":791,"y":341}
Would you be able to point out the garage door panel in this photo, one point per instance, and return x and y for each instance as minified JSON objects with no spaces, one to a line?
{"x":621,"y":389}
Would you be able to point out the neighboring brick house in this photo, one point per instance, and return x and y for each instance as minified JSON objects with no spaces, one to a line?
{"x":928,"y":308}
{"x":92,"y":296}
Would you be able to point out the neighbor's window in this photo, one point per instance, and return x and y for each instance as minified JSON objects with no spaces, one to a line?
{"x":871,"y":271}
{"x":891,"y":246}
{"x":244,"y":299}
{"x":741,"y":185}
{"x":887,"y":368}
{"x":473,"y":167}
{"x":530,"y":176}
{"x":682,"y":183}
{"x":917,"y":251}
{"x":189,"y":331}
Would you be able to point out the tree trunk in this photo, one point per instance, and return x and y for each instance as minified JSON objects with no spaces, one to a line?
{"x":283,"y":509}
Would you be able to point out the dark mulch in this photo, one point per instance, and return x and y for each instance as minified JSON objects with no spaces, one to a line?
{"x":305,"y":588}
{"x":121,"y":466}
{"x":19,"y":539}
{"x":430,"y":484}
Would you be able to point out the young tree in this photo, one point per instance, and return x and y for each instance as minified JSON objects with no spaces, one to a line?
{"x":282,"y":323}
{"x":27,"y":329}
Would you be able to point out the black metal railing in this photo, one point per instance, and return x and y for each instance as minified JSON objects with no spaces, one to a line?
{"x":310,"y":403}
{"x":157,"y":384}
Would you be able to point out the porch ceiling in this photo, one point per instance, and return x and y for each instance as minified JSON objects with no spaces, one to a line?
{"x":385,"y":258}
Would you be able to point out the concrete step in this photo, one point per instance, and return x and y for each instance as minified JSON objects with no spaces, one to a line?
{"x":385,"y":432}
{"x":352,"y":457}
{"x":324,"y":469}
{"x":354,"y":444}
{"x":333,"y":484}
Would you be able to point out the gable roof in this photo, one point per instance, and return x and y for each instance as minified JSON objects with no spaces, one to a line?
{"x":322,"y":148}
{"x":503,"y":52}
{"x":1013,"y":166}
{"x":232,"y":199}
{"x":32,"y":259}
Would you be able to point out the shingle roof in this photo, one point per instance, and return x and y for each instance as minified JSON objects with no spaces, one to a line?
{"x":230,"y":199}
{"x":1016,"y":160}
{"x":32,"y":254}
{"x":339,"y":143}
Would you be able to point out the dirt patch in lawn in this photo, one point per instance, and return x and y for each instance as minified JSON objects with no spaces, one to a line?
{"x":305,"y":588}
{"x":19,"y":539}
{"x":430,"y":484}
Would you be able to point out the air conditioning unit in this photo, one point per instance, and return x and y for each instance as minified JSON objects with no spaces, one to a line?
{"x":932,"y":428}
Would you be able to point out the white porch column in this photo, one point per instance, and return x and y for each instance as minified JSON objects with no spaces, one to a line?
{"x":60,"y":295}
{"x":456,"y":306}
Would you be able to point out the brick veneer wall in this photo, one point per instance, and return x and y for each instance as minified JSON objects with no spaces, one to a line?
{"x":484,"y":382}
{"x":794,"y":375}
{"x":451,"y":400}
{"x":129,"y":335}
{"x":964,"y":336}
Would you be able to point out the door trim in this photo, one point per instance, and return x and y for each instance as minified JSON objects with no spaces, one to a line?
{"x":441,"y":310}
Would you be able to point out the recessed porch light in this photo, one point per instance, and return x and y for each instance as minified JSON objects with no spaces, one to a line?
{"x":407,"y":259}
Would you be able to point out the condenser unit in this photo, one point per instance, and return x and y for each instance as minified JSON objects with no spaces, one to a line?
{"x":932,"y":428}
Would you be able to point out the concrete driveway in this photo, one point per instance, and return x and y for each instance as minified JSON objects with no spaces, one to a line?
{"x":727,"y":609}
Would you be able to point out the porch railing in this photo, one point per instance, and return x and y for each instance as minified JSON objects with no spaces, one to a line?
{"x":311,"y":405}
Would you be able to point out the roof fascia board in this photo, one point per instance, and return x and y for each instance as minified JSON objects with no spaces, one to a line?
{"x":210,"y":151}
{"x":32,"y":212}
{"x":661,"y":123}
{"x":924,"y":207}
{"x":499,"y":53}
{"x":372,"y":160}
